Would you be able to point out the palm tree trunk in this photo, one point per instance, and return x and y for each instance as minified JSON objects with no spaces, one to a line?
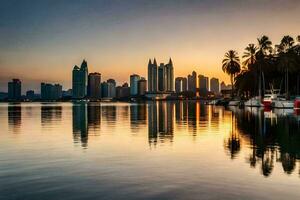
{"x":232,"y":86}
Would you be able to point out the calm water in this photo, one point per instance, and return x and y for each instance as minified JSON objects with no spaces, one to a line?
{"x":164,"y":150}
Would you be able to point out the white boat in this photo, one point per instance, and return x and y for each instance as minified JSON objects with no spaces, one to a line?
{"x":269,"y":96}
{"x":234,"y":103}
{"x":282,"y":103}
{"x":254,"y":102}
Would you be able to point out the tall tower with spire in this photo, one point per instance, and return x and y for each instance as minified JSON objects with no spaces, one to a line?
{"x":170,"y":76}
{"x":80,"y":81}
{"x":160,"y":78}
{"x":150,"y":84}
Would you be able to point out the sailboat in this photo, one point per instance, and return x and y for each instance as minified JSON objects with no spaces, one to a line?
{"x":256,"y":101}
{"x":281,"y":101}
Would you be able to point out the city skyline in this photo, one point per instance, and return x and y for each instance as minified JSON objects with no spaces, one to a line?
{"x":114,"y":35}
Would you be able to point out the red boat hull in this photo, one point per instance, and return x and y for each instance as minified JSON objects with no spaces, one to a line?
{"x":267,"y":103}
{"x":297,"y":104}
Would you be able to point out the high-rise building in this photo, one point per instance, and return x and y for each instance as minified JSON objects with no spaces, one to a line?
{"x":152,"y":76}
{"x":203,"y":83}
{"x":161,"y":73}
{"x":180,"y":84}
{"x":134,"y":84}
{"x":160,"y":78}
{"x":169,"y":76}
{"x":80,"y":81}
{"x":142,"y":86}
{"x":225,"y":87}
{"x":94,"y":82}
{"x":14,"y":89}
{"x":192,"y":82}
{"x":50,"y":91}
{"x":111,"y":88}
{"x":214,"y":85}
{"x":104,"y":89}
{"x":123,"y":91}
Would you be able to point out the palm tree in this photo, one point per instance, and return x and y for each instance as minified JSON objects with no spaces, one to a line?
{"x":286,"y":43}
{"x":231,"y":65}
{"x":262,"y":57}
{"x":249,"y":56}
{"x":265,"y":44}
{"x":287,"y":59}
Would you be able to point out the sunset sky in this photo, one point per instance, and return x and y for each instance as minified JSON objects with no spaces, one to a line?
{"x":42,"y":40}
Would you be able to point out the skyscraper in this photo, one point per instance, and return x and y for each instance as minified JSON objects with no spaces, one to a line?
{"x":134,"y":84}
{"x":192,"y":82}
{"x":94,"y":82}
{"x":142,"y":86}
{"x":152,"y":76}
{"x":160,"y":78}
{"x":14,"y":89}
{"x":111,"y":88}
{"x":214,"y":85}
{"x":180,"y":84}
{"x":203,"y":83}
{"x":169,"y":76}
{"x":80,"y":81}
{"x":50,"y":91}
{"x":104,"y":89}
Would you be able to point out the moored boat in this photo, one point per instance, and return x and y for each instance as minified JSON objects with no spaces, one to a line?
{"x":282,"y":103}
{"x":233,"y":103}
{"x":297,"y":103}
{"x":254,"y":102}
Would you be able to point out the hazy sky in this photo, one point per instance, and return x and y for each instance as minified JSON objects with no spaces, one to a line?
{"x":42,"y":40}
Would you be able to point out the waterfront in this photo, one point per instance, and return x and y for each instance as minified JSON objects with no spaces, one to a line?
{"x":161,"y":150}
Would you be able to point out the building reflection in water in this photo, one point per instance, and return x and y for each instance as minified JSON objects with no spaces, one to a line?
{"x":80,"y":126}
{"x":86,"y":120}
{"x":138,"y":117}
{"x":160,"y":122}
{"x":94,"y":116}
{"x":109,"y":115}
{"x":50,"y":113}
{"x":273,"y":137}
{"x":14,"y":117}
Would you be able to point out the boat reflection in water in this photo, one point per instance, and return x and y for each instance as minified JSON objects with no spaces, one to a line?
{"x":273,"y":137}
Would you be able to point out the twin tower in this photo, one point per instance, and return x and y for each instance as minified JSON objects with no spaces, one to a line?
{"x":160,"y":78}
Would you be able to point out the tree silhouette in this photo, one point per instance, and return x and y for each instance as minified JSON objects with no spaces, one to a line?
{"x":231,"y":66}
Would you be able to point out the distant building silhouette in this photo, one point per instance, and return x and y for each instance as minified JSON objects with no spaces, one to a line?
{"x":160,"y":79}
{"x":142,"y":86}
{"x":134,"y":78}
{"x":104,"y":89}
{"x":14,"y":90}
{"x":192,"y":82}
{"x":180,"y":84}
{"x":94,"y":83}
{"x":50,"y":91}
{"x":214,"y":85}
{"x":80,"y":81}
{"x":111,"y":88}
{"x":123,"y":91}
{"x":225,"y":87}
{"x":30,"y":95}
{"x":203,"y":83}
